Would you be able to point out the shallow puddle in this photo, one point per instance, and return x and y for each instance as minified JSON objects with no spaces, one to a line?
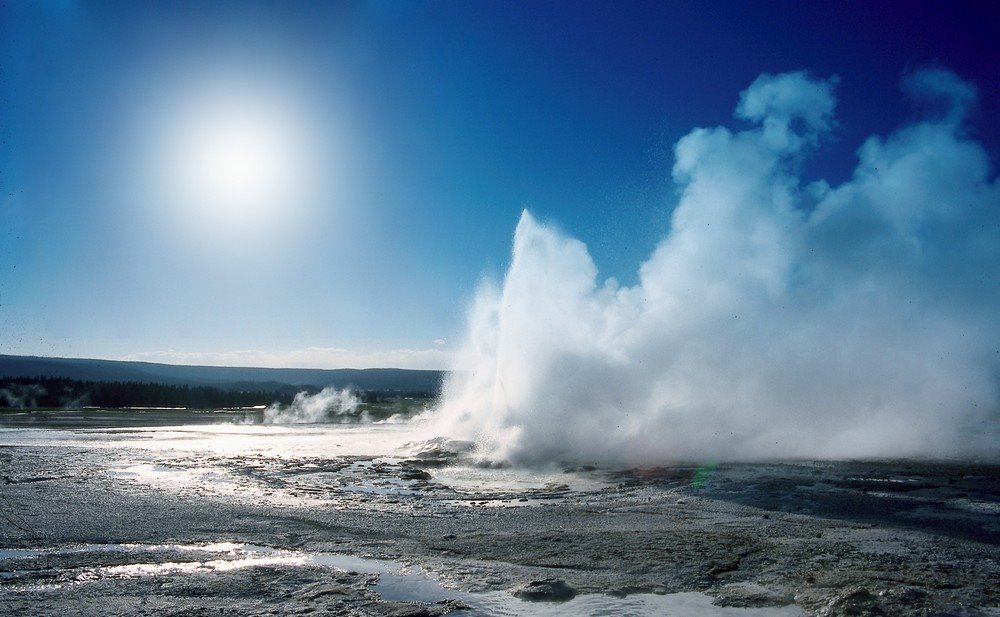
{"x":396,"y":582}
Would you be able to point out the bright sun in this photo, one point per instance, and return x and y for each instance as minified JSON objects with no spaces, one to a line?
{"x":239,"y":161}
{"x":233,"y":161}
{"x":234,"y":158}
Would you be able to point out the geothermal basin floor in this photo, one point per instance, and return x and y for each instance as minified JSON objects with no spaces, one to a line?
{"x":182,"y":514}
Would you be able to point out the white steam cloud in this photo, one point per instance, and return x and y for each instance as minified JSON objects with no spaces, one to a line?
{"x":327,"y":405}
{"x":775,"y":320}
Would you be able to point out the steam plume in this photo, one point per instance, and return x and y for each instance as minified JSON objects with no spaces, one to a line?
{"x":775,"y":320}
{"x":327,"y":405}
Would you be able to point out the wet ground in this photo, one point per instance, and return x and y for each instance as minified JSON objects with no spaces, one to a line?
{"x":147,"y":512}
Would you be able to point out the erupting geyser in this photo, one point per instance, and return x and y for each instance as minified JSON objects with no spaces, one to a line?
{"x":776,"y":319}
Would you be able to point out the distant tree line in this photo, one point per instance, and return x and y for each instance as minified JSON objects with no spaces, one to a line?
{"x":61,"y":392}
{"x":384,"y":396}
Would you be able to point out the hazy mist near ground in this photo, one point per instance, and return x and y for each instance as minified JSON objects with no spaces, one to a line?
{"x":777,"y":319}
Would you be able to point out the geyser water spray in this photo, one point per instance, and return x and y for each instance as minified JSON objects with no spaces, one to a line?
{"x":777,"y":319}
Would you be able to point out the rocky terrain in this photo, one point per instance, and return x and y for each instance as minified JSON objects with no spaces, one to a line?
{"x":129,"y":530}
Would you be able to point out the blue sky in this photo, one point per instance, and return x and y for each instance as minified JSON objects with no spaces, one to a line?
{"x":408,"y":138}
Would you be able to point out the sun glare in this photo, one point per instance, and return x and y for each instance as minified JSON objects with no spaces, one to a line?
{"x":238,"y":162}
{"x":233,"y":157}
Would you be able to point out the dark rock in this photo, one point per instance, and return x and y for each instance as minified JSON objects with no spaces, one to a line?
{"x":751,"y":595}
{"x":411,"y":609}
{"x":853,"y":601}
{"x":415,"y":474}
{"x":401,"y":609}
{"x":547,"y":590}
{"x":318,"y":590}
{"x":453,"y":605}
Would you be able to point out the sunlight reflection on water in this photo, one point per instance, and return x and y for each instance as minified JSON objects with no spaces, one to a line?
{"x":210,"y":458}
{"x":396,"y":581}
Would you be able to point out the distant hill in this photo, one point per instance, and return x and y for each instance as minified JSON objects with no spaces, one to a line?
{"x":225,"y":377}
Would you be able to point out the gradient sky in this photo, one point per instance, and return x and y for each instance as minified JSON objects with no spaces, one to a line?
{"x":393,"y":148}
